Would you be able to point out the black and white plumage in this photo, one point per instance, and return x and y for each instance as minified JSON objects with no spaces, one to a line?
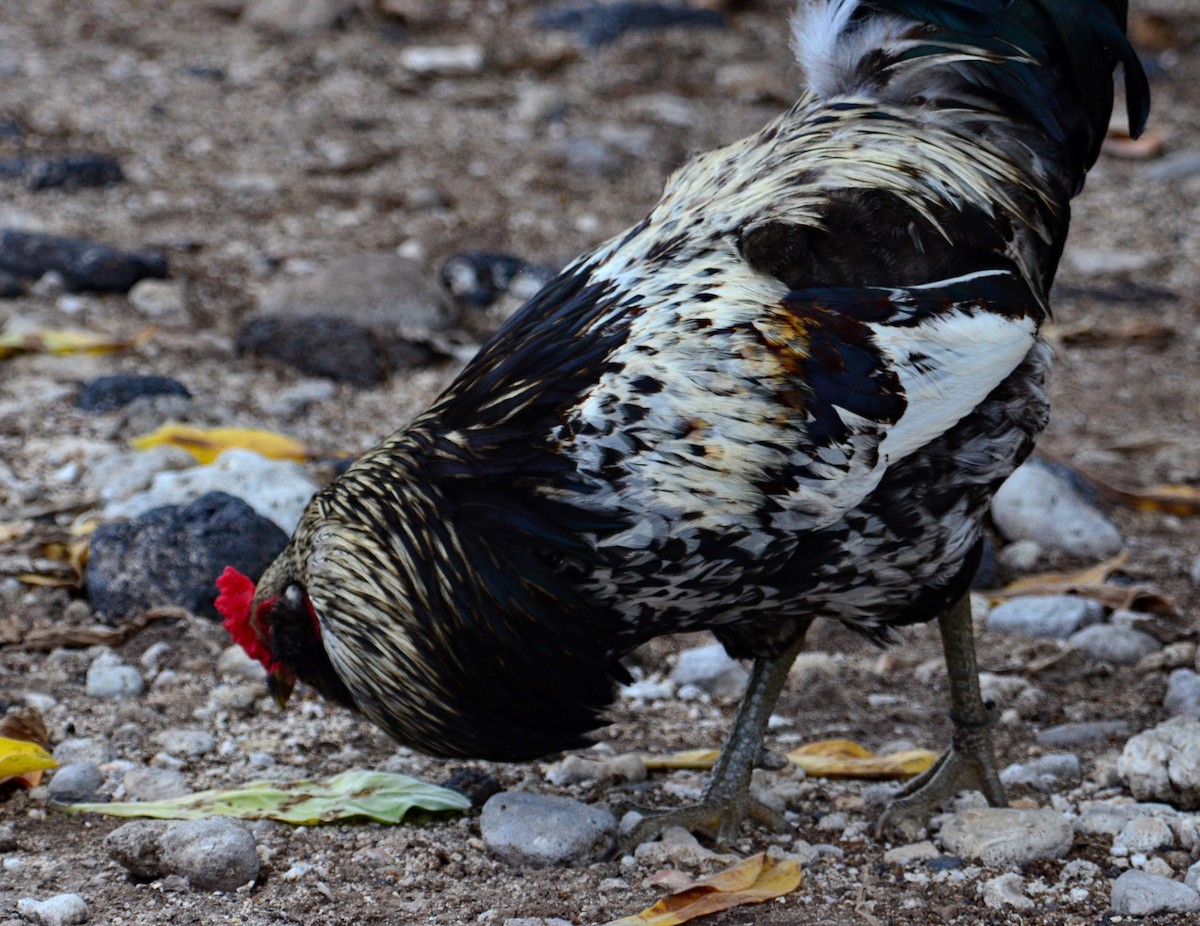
{"x":788,"y":393}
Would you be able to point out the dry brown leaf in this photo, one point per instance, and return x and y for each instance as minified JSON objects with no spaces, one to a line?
{"x":754,"y":880}
{"x":44,"y":641}
{"x":847,"y":759}
{"x":206,"y":444}
{"x":691,"y":758}
{"x":24,"y":740}
{"x":66,"y":341}
{"x":1088,"y":332}
{"x":1092,"y":583}
{"x":1120,"y":144}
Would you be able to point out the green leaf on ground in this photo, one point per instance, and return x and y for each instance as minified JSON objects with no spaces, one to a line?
{"x":378,"y":796}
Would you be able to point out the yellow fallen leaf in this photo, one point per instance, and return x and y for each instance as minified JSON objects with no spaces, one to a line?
{"x":66,"y":341}
{"x":691,"y":758}
{"x":18,"y":757}
{"x":754,"y":880}
{"x":847,"y":759}
{"x":206,"y":444}
{"x":1053,"y":583}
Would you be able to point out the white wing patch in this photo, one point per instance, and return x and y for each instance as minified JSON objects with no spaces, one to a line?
{"x":947,"y":366}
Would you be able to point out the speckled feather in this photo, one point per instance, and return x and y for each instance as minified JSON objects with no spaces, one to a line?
{"x":788,"y":393}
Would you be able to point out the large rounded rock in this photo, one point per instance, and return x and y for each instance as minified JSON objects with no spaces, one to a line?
{"x":1035,"y":503}
{"x":214,"y":854}
{"x":1138,"y":893}
{"x":538,"y":830}
{"x":1005,"y":837}
{"x":1163,"y":764}
{"x":173,"y":555}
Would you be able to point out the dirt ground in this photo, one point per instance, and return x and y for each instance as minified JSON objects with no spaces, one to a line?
{"x":246,"y":150}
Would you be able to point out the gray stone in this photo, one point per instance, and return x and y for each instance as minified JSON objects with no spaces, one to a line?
{"x":185,"y":742}
{"x":1122,"y":646}
{"x":214,"y":854}
{"x":1183,"y":694}
{"x":1194,"y":574}
{"x":537,"y":830}
{"x":94,"y":750}
{"x":1192,"y":878}
{"x":108,"y":677}
{"x":1021,"y":556}
{"x":1007,"y":890}
{"x":377,"y":290}
{"x":154,"y":784}
{"x":1080,"y":734}
{"x":75,"y":783}
{"x":1054,"y":616}
{"x":173,"y":555}
{"x":712,"y":670}
{"x":137,"y":847}
{"x":60,"y":910}
{"x":1143,"y":834}
{"x":1109,"y":817}
{"x":1178,"y":166}
{"x":1035,"y":503}
{"x":1005,"y":837}
{"x":576,"y":769}
{"x":278,"y":490}
{"x":678,"y":848}
{"x":234,"y":663}
{"x":911,"y":854}
{"x":1163,"y":764}
{"x":1045,"y":773}
{"x":1137,"y":893}
{"x":443,"y":60}
{"x":158,"y":298}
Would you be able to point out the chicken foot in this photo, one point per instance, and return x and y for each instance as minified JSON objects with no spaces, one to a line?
{"x":727,"y":800}
{"x":969,"y":763}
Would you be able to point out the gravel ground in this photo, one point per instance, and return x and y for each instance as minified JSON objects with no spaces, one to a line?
{"x":253,"y":151}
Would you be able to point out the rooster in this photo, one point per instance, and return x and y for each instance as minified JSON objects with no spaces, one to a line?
{"x":788,"y":393}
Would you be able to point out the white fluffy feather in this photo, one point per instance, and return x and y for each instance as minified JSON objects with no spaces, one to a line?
{"x":829,"y":47}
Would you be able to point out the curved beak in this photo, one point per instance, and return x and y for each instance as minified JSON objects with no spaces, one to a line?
{"x":280,"y":684}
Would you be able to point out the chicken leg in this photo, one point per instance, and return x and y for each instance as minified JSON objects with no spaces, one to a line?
{"x":727,"y":801}
{"x":969,"y":763}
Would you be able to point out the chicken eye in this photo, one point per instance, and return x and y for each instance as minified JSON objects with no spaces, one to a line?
{"x":293,"y":596}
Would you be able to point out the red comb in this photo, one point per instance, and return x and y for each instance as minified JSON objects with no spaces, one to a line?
{"x":233,"y":604}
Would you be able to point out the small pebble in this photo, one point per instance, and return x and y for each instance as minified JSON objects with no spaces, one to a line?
{"x":1143,"y":834}
{"x":1080,"y":734}
{"x":911,"y":854}
{"x":1054,"y":616}
{"x":108,"y":677}
{"x":537,"y":830}
{"x":1007,"y":890}
{"x":1021,"y":556}
{"x":154,"y":784}
{"x":576,"y":769}
{"x":158,"y":298}
{"x":712,"y":670}
{"x":185,"y":742}
{"x":60,"y":910}
{"x":443,"y":60}
{"x":1003,"y":837}
{"x":108,"y":393}
{"x":1183,"y":694}
{"x":81,"y":265}
{"x":1136,"y":893}
{"x":75,"y":783}
{"x":678,"y":848}
{"x":1046,"y":773}
{"x":1122,"y":646}
{"x":91,"y":750}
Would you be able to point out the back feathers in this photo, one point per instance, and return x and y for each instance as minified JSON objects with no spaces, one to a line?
{"x":1048,"y":63}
